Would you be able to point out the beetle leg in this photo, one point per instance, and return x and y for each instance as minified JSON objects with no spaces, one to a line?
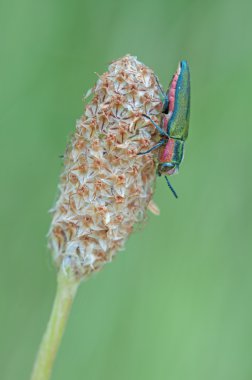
{"x":165,"y":97}
{"x":162,"y":142}
{"x":160,"y":130}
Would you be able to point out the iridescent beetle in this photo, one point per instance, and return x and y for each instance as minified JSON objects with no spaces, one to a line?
{"x":174,"y":124}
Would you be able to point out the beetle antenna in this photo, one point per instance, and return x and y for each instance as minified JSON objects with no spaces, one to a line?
{"x":171,"y":188}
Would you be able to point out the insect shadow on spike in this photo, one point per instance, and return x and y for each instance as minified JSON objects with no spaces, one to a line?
{"x":174,"y":125}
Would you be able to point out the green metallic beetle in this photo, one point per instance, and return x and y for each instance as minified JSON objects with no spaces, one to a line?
{"x":174,"y":124}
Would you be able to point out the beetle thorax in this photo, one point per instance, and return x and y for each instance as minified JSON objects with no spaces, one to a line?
{"x":170,"y":156}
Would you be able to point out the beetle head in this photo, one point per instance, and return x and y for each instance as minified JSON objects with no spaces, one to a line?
{"x":167,"y":168}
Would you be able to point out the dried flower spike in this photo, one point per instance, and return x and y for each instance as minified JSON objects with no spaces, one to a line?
{"x":106,"y":187}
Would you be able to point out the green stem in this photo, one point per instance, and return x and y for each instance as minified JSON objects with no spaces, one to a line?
{"x":66,"y":290}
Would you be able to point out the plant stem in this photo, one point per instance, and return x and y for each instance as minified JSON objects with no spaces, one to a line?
{"x":65,"y":293}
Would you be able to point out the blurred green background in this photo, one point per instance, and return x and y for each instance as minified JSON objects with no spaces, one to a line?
{"x":176,"y":304}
